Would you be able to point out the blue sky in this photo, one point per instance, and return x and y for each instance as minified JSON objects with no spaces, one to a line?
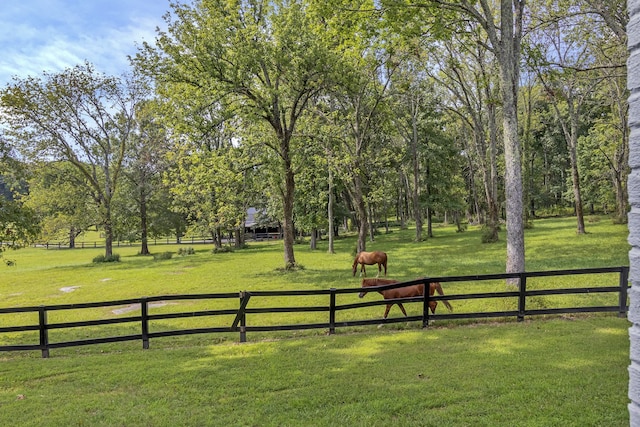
{"x":51,"y":35}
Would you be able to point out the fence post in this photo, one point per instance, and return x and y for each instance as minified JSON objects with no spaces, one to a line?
{"x":44,"y":332}
{"x":425,"y":303}
{"x":243,"y":319}
{"x":522,"y":298}
{"x":144,"y":312}
{"x":624,"y":285}
{"x":332,"y":311}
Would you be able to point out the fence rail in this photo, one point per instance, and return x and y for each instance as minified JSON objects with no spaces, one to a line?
{"x":193,"y":240}
{"x":239,"y":323}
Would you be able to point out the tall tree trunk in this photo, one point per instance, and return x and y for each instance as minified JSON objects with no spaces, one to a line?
{"x":401,"y":205}
{"x":429,"y":210}
{"x":509,"y":55}
{"x":237,"y":238}
{"x":330,"y":213}
{"x":314,"y":239}
{"x":287,"y":222}
{"x":144,"y":248}
{"x":108,"y":233}
{"x":372,"y":224}
{"x":474,"y":207}
{"x":217,"y":238}
{"x":621,"y":200}
{"x":72,"y":237}
{"x":571,"y":137}
{"x":575,"y":175}
{"x":361,"y":213}
{"x":492,"y":185}
{"x":621,"y":162}
{"x":417,"y":212}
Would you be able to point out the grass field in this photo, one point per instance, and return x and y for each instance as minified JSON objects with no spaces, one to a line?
{"x":569,"y":370}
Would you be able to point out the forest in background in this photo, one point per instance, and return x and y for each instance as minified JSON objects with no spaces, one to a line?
{"x":327,"y":116}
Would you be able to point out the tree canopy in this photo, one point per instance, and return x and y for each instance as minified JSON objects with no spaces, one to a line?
{"x":337,"y":117}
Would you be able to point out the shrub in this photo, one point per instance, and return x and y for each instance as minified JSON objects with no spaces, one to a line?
{"x":290,"y":267}
{"x":103,"y":258}
{"x":162,"y":256}
{"x":186,"y":251}
{"x":222,"y":250}
{"x":489,"y":235}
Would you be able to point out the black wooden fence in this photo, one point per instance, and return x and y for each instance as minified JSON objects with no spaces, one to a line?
{"x":239,"y":323}
{"x":192,"y":240}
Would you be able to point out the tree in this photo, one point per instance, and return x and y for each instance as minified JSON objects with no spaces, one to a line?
{"x":412,"y":107}
{"x":504,"y":40}
{"x":354,"y":106}
{"x":262,"y":60}
{"x":18,"y":224}
{"x":79,"y":116}
{"x":144,"y":164}
{"x":208,"y":186}
{"x":60,"y":195}
{"x":611,"y":55}
{"x":561,"y":58}
{"x":468,"y":73}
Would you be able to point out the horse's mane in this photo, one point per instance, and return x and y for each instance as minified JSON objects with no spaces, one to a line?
{"x":375,"y":281}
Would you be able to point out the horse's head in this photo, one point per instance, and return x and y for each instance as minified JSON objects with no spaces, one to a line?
{"x":365,"y":284}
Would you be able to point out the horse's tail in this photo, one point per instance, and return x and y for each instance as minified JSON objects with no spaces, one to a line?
{"x":384,"y":262}
{"x":440,"y":292}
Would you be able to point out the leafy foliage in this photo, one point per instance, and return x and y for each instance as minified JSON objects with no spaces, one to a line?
{"x":79,"y":116}
{"x":106,"y":259}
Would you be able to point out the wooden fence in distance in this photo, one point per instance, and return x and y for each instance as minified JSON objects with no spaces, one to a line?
{"x":239,"y":323}
{"x":192,"y":240}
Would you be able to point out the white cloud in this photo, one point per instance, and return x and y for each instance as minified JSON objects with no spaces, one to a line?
{"x":53,"y":35}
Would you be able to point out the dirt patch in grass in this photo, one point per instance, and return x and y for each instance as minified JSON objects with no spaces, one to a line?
{"x":136,"y":307}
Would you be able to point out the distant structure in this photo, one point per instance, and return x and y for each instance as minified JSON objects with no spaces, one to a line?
{"x":258,"y":227}
{"x":633,"y":83}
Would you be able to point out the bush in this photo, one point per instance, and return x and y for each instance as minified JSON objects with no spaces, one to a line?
{"x":162,"y":256}
{"x":222,"y":250}
{"x":103,"y":258}
{"x":489,"y":235}
{"x":186,"y":251}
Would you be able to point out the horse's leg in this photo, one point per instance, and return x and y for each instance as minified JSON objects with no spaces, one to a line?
{"x":402,"y":308}
{"x":379,"y":269}
{"x":432,"y":306}
{"x":386,"y":311}
{"x":363,"y":270}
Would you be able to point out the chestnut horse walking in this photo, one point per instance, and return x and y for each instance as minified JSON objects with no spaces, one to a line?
{"x":370,"y":258}
{"x":405,"y":292}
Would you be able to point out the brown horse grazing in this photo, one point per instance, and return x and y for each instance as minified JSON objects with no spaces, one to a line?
{"x":405,"y":292}
{"x":370,"y":258}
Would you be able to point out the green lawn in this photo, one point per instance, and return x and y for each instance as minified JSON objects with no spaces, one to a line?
{"x":538,"y":373}
{"x":569,"y":370}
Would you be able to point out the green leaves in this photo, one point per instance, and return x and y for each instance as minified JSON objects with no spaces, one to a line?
{"x":79,"y":116}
